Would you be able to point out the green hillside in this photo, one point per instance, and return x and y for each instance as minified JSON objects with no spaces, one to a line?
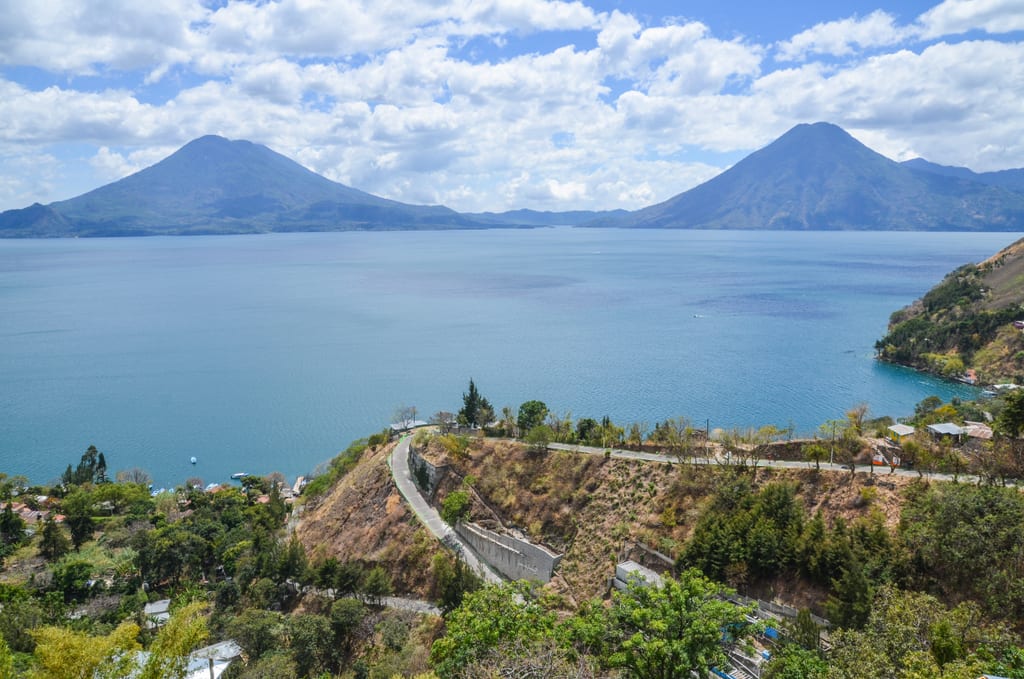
{"x":965,"y":322}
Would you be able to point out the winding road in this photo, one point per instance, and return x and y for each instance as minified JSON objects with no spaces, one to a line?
{"x":428,"y":516}
{"x":778,"y":464}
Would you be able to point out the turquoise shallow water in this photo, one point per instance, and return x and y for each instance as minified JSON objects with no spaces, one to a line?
{"x":262,"y":353}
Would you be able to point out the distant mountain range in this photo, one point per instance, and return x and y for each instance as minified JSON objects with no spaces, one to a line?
{"x":813,"y":177}
{"x":819,"y":177}
{"x":1008,"y":179}
{"x":214,"y":186}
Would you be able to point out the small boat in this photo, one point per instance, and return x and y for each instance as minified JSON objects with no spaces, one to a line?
{"x":192,"y":459}
{"x":238,"y":475}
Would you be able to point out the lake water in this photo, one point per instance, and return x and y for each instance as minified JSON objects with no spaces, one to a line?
{"x":263,"y":353}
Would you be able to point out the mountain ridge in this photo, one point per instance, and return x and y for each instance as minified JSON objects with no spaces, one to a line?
{"x":818,"y":177}
{"x":216,"y":185}
{"x":814,"y":177}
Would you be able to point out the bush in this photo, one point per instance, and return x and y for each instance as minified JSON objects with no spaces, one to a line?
{"x":341,"y":465}
{"x":455,"y":507}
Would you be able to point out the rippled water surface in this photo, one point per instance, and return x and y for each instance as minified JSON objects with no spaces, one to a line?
{"x":262,"y":353}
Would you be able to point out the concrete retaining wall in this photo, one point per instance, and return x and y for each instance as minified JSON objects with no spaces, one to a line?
{"x":423,"y":469}
{"x":515,"y":559}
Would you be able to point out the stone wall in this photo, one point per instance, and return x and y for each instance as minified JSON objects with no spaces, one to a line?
{"x":514,"y":558}
{"x":424,"y":470}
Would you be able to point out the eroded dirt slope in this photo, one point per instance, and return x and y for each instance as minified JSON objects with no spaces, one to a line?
{"x":363,"y":518}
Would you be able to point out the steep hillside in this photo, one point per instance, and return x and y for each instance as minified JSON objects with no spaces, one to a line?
{"x":363,"y":518}
{"x":965,"y":322}
{"x":819,"y":177}
{"x":596,"y":510}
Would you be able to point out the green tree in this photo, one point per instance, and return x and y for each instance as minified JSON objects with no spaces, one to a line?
{"x":793,"y":662}
{"x":637,"y":434}
{"x":815,"y":451}
{"x":539,"y":437}
{"x":62,"y":653}
{"x":72,"y":577}
{"x":850,"y":602}
{"x":20,"y":615}
{"x":272,"y":666}
{"x":671,"y":631}
{"x":376,"y":585}
{"x":804,"y":631}
{"x":92,"y":468}
{"x":1010,"y":421}
{"x":312,"y":643}
{"x":490,"y":618}
{"x":12,"y":527}
{"x":6,"y":661}
{"x":485,"y":415}
{"x":257,"y":632}
{"x":453,"y":581}
{"x":910,"y":635}
{"x":77,"y":507}
{"x":293,"y":560}
{"x":455,"y":507}
{"x":53,"y":544}
{"x":472,"y":405}
{"x":532,"y":414}
{"x":183,"y":633}
{"x":346,"y":616}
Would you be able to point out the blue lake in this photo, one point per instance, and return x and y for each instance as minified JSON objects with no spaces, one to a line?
{"x":264,"y":353}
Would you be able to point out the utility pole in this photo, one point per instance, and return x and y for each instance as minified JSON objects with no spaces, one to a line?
{"x":832,"y":450}
{"x":707,"y":438}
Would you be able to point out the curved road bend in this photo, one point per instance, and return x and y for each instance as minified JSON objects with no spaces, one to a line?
{"x":428,"y":516}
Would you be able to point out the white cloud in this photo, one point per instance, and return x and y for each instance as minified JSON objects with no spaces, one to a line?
{"x":952,"y":103}
{"x":29,"y":176}
{"x":395,"y":98}
{"x":676,"y":59}
{"x":844,"y":37}
{"x":69,"y":36}
{"x":952,"y":17}
{"x":277,"y":81}
{"x":113,"y":165}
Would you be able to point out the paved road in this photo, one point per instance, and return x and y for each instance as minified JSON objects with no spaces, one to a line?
{"x":778,"y":464}
{"x":428,"y":516}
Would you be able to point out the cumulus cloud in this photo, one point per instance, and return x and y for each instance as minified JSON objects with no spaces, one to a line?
{"x":113,"y":165}
{"x":679,"y":59}
{"x":844,"y":37}
{"x":74,"y":37}
{"x":953,"y":17}
{"x":410,"y":102}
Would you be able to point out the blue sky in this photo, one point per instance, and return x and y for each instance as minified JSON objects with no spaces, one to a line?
{"x":499,"y":104}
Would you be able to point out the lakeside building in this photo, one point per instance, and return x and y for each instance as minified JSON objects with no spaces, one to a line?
{"x":898,"y":432}
{"x":944,"y":429}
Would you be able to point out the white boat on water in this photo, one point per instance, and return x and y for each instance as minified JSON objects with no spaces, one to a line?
{"x":239,"y":475}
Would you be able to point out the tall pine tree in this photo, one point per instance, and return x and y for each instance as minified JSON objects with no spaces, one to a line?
{"x":473,"y":407}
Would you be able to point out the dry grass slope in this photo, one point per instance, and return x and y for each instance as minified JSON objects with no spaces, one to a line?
{"x":593,"y":509}
{"x":364,"y":518}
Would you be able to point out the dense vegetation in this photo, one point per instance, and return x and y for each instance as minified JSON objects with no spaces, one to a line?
{"x":965,"y":322}
{"x":937,"y":591}
{"x":957,"y":542}
{"x":73,"y":592}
